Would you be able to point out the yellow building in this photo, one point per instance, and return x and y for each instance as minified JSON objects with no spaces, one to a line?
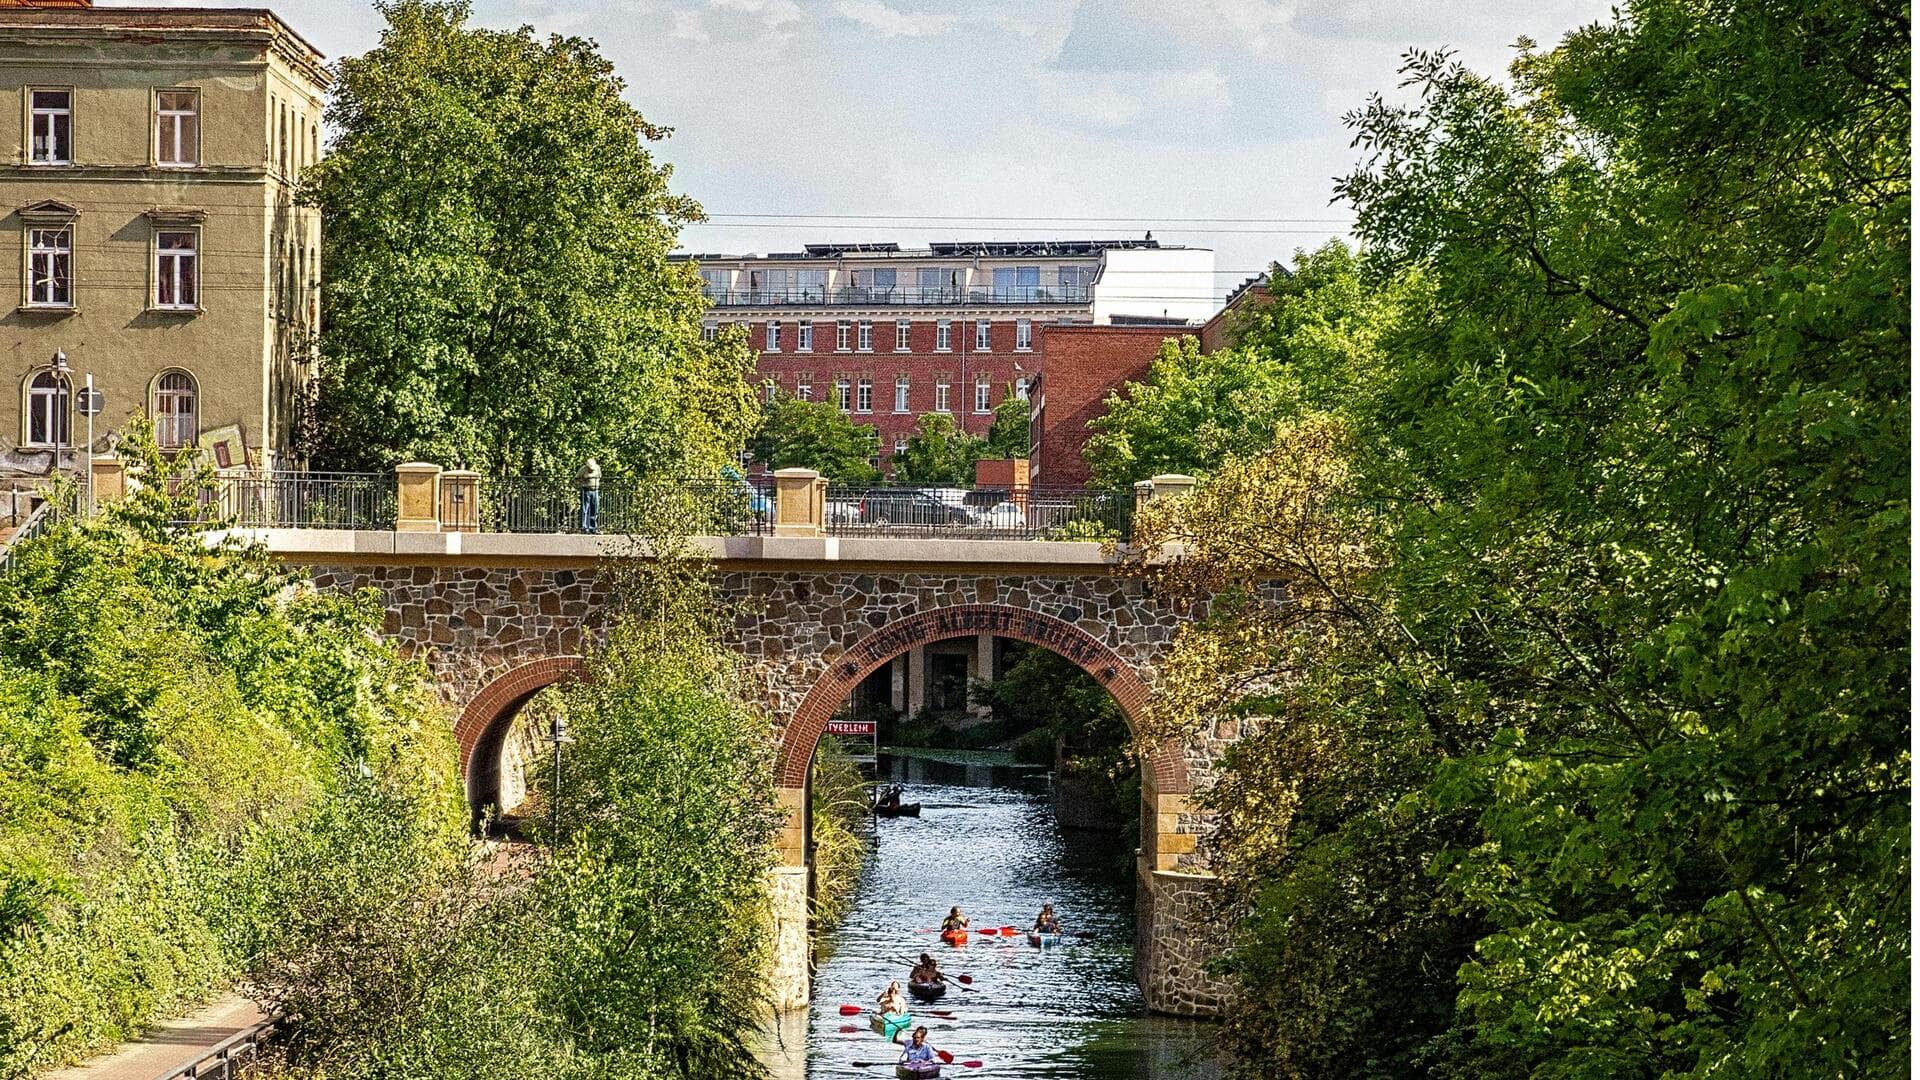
{"x":151,"y":157}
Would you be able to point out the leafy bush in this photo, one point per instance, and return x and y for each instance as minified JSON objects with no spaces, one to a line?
{"x":171,"y":715}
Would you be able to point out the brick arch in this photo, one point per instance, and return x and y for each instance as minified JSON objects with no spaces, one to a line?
{"x":502,"y":697}
{"x":1166,"y":764}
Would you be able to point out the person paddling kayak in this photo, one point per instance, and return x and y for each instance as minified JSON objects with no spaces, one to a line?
{"x":1047,"y":922}
{"x":954,"y":920}
{"x":926,"y":971}
{"x":892,"y":1017}
{"x":918,"y":1055}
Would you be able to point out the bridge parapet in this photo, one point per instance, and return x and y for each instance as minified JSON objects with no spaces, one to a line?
{"x":422,"y":498}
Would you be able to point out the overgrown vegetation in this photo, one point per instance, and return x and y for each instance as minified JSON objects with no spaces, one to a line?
{"x":177,"y":723}
{"x":796,"y":434}
{"x":631,"y":949}
{"x":841,"y":831}
{"x":1581,"y":738}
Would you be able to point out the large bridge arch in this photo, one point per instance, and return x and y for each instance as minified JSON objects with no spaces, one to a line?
{"x":1166,"y":766}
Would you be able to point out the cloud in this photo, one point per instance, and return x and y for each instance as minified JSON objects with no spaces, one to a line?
{"x":775,"y":13}
{"x":688,"y":27}
{"x":891,"y":21}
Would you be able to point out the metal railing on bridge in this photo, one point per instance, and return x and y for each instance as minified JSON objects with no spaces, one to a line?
{"x":979,"y":513}
{"x":709,"y":506}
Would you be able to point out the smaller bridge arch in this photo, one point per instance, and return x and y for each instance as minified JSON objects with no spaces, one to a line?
{"x":483,"y":724}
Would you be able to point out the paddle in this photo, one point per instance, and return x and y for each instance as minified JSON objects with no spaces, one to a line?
{"x":1010,"y":931}
{"x":988,"y":930}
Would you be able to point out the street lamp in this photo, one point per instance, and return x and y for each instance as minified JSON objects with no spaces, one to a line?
{"x":88,"y":408}
{"x":557,"y":735}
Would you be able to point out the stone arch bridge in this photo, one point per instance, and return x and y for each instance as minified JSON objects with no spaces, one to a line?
{"x":497,"y":617}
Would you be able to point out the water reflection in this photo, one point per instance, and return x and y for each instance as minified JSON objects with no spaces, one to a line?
{"x":986,"y":840}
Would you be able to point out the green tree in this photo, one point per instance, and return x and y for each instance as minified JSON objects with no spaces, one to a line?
{"x":938,"y":453}
{"x":1010,"y":435}
{"x":1195,"y":410}
{"x":815,"y":435}
{"x":1604,"y":710}
{"x":498,"y":288}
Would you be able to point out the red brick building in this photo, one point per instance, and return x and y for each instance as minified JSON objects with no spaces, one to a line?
{"x":1084,"y":365}
{"x":891,"y":334}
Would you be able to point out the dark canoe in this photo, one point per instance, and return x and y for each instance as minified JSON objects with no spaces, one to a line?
{"x":1037,"y":939}
{"x":916,"y":1070}
{"x":932,"y":991}
{"x":911,"y":809}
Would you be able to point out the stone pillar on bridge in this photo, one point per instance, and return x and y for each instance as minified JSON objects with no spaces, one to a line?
{"x":418,"y":484}
{"x":916,"y":680}
{"x":799,"y":503}
{"x":897,"y":670}
{"x":983,"y":668}
{"x":790,"y":962}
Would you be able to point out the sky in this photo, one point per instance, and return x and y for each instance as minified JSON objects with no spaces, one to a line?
{"x":919,"y":120}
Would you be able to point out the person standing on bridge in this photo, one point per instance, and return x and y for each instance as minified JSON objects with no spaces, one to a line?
{"x":589,"y":480}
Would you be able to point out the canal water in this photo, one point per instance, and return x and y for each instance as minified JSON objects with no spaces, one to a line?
{"x":986,"y":840}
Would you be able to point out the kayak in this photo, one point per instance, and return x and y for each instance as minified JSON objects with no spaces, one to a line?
{"x":954,"y":937}
{"x":917,"y":1070}
{"x":893,"y":1027}
{"x":930,"y":991}
{"x":911,"y":809}
{"x":1037,"y":939}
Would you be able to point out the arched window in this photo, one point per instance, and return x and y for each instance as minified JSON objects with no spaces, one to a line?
{"x":176,"y":410}
{"x":49,"y":408}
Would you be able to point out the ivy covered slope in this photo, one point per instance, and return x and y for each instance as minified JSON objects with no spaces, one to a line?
{"x":1583,"y":740}
{"x":172,"y":718}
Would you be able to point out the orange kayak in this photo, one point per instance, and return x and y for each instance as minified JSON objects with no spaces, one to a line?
{"x":954,"y":937}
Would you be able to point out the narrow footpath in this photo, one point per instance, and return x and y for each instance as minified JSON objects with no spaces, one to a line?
{"x":171,"y":1046}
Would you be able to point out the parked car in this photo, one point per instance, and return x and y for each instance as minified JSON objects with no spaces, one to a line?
{"x":1002,"y":515}
{"x":910,"y":507}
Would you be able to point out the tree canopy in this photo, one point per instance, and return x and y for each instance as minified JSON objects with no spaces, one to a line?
{"x":498,"y":291}
{"x":1582,"y":740}
{"x":796,"y":434}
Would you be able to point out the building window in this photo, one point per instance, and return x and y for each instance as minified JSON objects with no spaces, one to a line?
{"x":770,"y":388}
{"x":773,"y":336}
{"x":863,"y":402}
{"x":899,"y":446}
{"x":178,"y":139}
{"x":903,"y":336}
{"x":900,"y":388}
{"x":982,"y":394}
{"x":49,"y":402}
{"x":938,"y":284}
{"x":943,"y":336}
{"x":1076,"y":282}
{"x":177,"y":269}
{"x":713,"y":284}
{"x":866,"y":336}
{"x":1016,"y":283}
{"x":50,"y":266}
{"x":803,"y":336}
{"x":176,"y":411}
{"x":52,"y":124}
{"x":709,"y":331}
{"x":842,"y":336}
{"x":1020,"y":388}
{"x":875,"y":284}
{"x":943,"y":394}
{"x":803,"y":388}
{"x":843,"y":394}
{"x":983,"y":336}
{"x":1023,"y":335}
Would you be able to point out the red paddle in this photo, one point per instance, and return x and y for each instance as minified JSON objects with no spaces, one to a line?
{"x":988,"y":930}
{"x":1010,"y":931}
{"x":848,"y":1029}
{"x":851,"y":1010}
